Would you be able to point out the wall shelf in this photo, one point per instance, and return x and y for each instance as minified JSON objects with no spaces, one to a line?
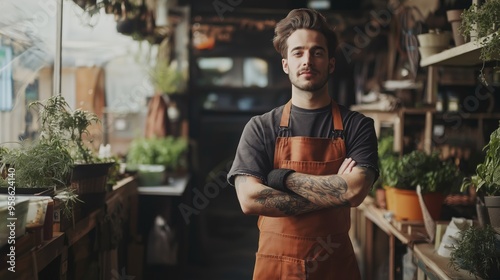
{"x":463,"y":55}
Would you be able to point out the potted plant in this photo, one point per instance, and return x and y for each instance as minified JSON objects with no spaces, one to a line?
{"x":436,"y":178}
{"x":155,"y":158}
{"x":486,"y":180}
{"x":478,"y":252}
{"x":167,"y":78}
{"x":39,"y":165}
{"x":387,"y":160}
{"x":60,"y":123}
{"x":482,"y":21}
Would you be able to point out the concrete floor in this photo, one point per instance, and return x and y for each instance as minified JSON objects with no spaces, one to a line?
{"x":225,"y":241}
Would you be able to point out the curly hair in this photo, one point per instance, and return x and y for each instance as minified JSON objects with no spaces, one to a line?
{"x":303,"y":19}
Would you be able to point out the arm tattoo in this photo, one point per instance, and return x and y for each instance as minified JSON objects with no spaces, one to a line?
{"x":289,"y":204}
{"x":320,"y":190}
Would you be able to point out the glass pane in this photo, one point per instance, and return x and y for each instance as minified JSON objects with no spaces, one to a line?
{"x":6,"y":90}
{"x":233,"y":71}
{"x":255,"y":72}
{"x":216,"y":71}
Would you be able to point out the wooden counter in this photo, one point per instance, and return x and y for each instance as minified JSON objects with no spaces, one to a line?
{"x":30,"y":262}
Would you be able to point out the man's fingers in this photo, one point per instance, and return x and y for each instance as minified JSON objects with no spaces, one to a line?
{"x":351,"y":166}
{"x":346,"y":166}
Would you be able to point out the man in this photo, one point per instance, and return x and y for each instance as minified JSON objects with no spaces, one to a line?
{"x":302,"y":166}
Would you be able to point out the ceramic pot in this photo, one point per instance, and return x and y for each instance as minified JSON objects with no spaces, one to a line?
{"x":492,"y":204}
{"x":454,"y":18}
{"x":407,"y":206}
{"x":434,"y":39}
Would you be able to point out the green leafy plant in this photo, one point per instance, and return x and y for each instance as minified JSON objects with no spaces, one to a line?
{"x":487,"y":177}
{"x":428,"y":171}
{"x":483,"y":21}
{"x":70,"y":127}
{"x":478,"y":252}
{"x":167,"y":79}
{"x":42,"y":163}
{"x":168,"y":151}
{"x":387,"y":162}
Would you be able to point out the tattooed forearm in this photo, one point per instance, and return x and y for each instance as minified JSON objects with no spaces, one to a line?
{"x":321,"y":190}
{"x":289,"y":204}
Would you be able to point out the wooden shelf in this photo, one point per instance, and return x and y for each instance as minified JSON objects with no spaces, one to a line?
{"x":435,"y":266}
{"x":463,"y":55}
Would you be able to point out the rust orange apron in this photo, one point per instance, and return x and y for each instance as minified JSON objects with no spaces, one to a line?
{"x":316,"y":245}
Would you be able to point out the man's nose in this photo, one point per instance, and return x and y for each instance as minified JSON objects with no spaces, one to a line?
{"x":306,"y":59}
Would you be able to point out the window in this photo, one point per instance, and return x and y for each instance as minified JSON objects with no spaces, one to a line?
{"x":233,"y":72}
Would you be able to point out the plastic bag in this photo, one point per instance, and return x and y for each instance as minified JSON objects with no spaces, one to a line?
{"x":162,"y":244}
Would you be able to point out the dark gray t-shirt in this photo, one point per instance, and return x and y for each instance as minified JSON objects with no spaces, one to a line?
{"x":255,"y":153}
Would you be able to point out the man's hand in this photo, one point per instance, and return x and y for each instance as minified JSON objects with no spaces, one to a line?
{"x":347,"y":166}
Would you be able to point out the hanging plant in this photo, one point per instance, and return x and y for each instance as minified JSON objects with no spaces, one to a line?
{"x":483,"y":21}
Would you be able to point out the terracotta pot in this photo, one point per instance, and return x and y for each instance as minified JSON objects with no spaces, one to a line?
{"x":407,"y":205}
{"x":389,"y":196}
{"x":380,"y":198}
{"x":454,"y":18}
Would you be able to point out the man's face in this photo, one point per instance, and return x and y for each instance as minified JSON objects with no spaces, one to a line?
{"x":307,"y":63}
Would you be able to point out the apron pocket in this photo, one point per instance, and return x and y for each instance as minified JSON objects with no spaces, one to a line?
{"x":270,"y":267}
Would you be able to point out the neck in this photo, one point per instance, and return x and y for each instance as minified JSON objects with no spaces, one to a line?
{"x":310,"y":100}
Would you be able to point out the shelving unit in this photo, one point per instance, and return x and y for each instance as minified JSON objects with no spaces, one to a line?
{"x":466,"y":55}
{"x":395,"y":118}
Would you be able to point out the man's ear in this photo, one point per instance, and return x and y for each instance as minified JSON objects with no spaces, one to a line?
{"x":331,"y":65}
{"x":284,"y":64}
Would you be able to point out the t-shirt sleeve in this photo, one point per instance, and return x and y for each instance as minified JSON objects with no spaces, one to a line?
{"x":362,"y":144}
{"x":251,"y":156}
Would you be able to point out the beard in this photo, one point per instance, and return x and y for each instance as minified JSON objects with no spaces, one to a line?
{"x":315,"y":84}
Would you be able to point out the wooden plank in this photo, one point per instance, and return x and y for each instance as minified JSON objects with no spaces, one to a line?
{"x":369,"y":269}
{"x":436,"y":266}
{"x":404,"y":226}
{"x":49,"y":251}
{"x":83,"y":227}
{"x":463,"y":55}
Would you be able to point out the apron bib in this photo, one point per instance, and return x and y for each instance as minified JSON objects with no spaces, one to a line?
{"x":316,"y":245}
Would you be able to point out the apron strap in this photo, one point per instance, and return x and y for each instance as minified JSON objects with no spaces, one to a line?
{"x":338,"y":127}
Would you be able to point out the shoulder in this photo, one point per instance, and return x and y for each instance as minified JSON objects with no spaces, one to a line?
{"x":266,"y":121}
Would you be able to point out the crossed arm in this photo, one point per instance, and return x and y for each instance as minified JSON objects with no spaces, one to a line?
{"x":310,"y":192}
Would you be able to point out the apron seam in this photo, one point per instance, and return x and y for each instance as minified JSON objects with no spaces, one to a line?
{"x":312,"y":238}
